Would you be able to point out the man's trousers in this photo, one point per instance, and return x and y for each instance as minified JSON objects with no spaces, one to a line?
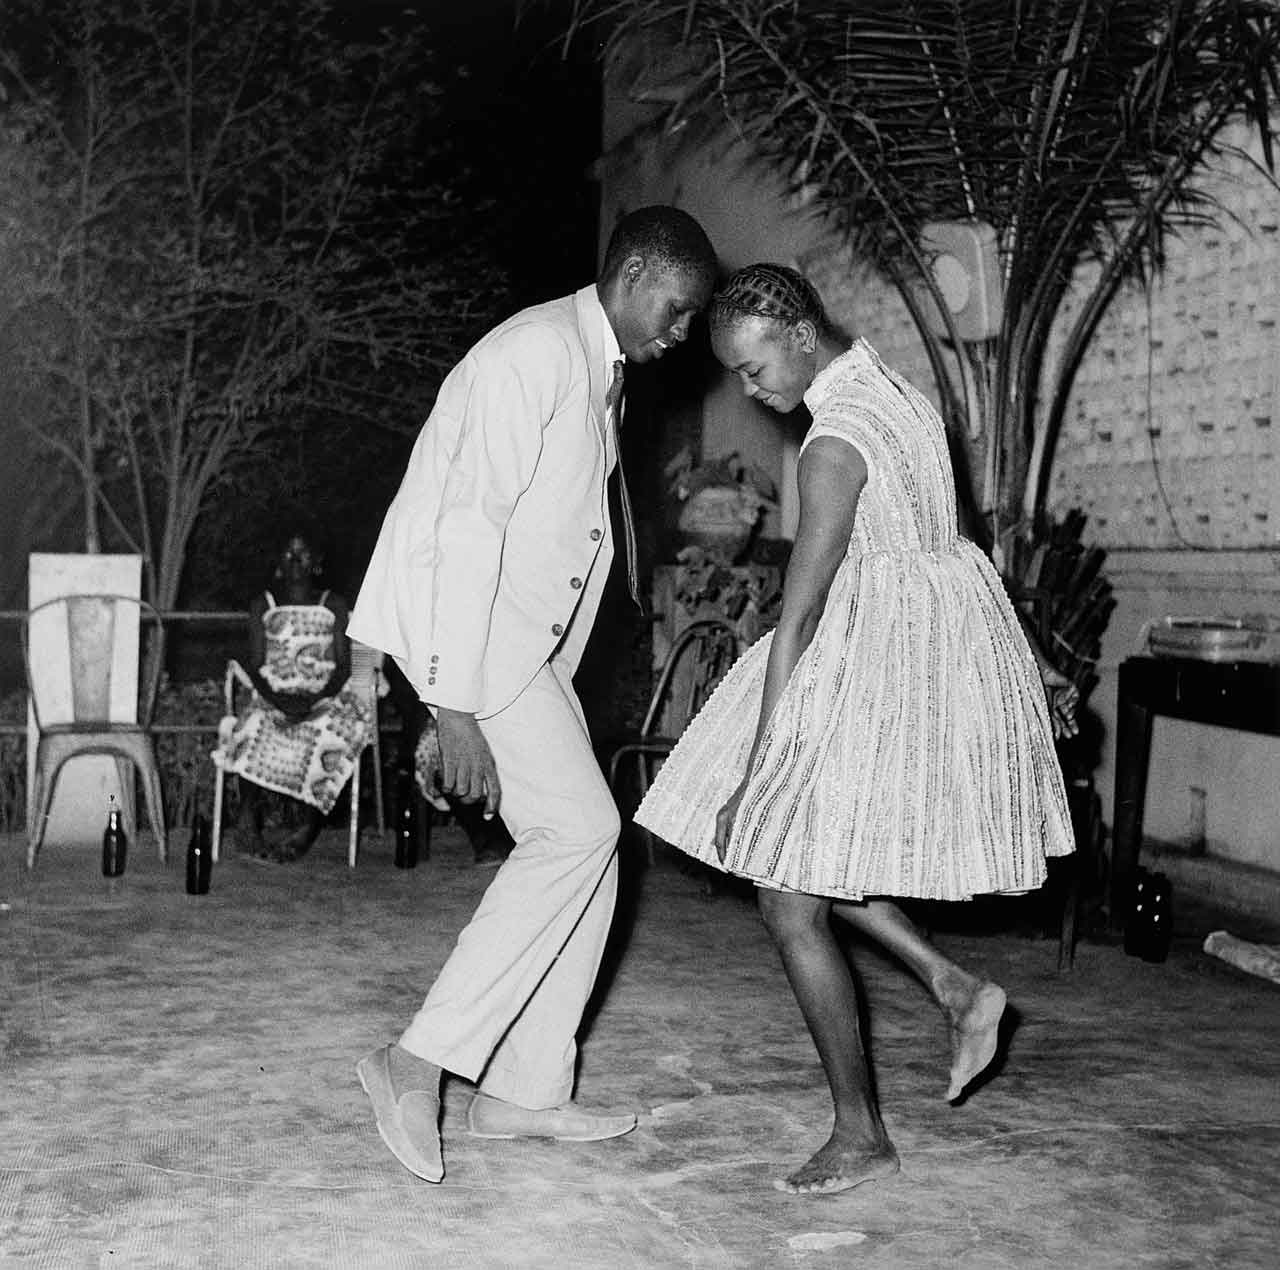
{"x":506,"y":1006}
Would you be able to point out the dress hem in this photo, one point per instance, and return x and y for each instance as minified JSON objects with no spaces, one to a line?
{"x":840,"y":893}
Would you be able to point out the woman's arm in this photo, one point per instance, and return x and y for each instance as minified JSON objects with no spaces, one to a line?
{"x":831,"y":475}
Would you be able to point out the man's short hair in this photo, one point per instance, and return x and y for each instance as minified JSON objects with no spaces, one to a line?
{"x":665,"y":234}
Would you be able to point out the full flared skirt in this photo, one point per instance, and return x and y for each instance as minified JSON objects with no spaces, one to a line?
{"x":910,"y":754}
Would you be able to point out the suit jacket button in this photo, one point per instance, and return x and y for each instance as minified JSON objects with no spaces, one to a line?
{"x":596,"y":535}
{"x":576,"y":583}
{"x":557,"y":629}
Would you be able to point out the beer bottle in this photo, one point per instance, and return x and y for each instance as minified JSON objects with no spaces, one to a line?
{"x":115,"y":843}
{"x":199,"y":860}
{"x":406,"y":821}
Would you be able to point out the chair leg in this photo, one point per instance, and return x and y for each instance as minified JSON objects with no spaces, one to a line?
{"x":41,"y":802}
{"x":218,"y":778}
{"x":642,"y":764}
{"x":380,"y":817}
{"x":126,"y":777}
{"x":643,"y":781}
{"x":1081,"y":801}
{"x":155,"y":804}
{"x":353,"y":831}
{"x":1070,"y":911}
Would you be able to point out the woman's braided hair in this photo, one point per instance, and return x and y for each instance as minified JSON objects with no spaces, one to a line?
{"x":768,"y":291}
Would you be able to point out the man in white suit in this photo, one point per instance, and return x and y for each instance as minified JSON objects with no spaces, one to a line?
{"x":483,"y":586}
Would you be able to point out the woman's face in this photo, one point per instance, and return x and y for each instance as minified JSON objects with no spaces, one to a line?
{"x":774,"y":362}
{"x":298,"y":559}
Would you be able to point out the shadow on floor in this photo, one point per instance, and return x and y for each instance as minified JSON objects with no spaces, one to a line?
{"x":178,"y":1089}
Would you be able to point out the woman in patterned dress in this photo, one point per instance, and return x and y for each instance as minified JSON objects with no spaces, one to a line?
{"x":892,"y":737}
{"x":302,"y":730}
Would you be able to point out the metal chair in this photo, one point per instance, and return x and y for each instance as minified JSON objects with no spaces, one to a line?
{"x":366,"y":666}
{"x":700,"y":657}
{"x":92,"y":623}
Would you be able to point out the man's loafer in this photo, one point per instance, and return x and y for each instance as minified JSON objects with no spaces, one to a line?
{"x":410,"y":1122}
{"x":492,"y":1118}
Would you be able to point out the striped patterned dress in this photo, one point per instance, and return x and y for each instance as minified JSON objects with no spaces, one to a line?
{"x":911,"y":752}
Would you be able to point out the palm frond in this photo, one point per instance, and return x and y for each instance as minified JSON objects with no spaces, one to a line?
{"x":1081,"y":130}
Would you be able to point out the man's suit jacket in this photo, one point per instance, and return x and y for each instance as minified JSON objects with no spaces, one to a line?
{"x":494,"y":552}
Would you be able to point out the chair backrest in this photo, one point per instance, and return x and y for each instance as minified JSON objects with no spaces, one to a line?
{"x":91,"y":626}
{"x":700,"y":657}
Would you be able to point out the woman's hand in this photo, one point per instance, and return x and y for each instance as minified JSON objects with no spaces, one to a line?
{"x":1063,"y":698}
{"x":725,"y":818}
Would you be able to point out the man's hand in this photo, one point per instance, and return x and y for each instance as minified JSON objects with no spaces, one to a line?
{"x":1063,"y":697}
{"x":468,"y":770}
{"x":429,"y":766}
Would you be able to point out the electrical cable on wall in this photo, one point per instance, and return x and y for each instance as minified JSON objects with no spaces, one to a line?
{"x":1153,"y":433}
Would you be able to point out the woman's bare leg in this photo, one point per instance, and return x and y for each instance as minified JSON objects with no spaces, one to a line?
{"x":249,"y":818}
{"x":303,"y":838}
{"x":973,"y":1006}
{"x":859,"y":1149}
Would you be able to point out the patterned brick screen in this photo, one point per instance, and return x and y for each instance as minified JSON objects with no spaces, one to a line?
{"x":1183,"y":392}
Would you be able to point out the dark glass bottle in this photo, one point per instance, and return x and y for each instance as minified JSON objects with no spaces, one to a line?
{"x":406,"y":821}
{"x":115,"y":844}
{"x":199,"y":859}
{"x":1149,"y":930}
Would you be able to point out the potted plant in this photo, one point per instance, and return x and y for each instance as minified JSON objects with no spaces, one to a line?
{"x":721,"y":503}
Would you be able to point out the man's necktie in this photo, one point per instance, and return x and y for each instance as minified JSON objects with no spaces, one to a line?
{"x":613,"y":407}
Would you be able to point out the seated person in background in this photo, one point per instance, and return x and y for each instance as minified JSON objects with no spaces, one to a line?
{"x":491,"y":843}
{"x":302,"y":730}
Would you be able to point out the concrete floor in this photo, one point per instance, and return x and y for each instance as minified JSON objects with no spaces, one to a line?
{"x":178,"y":1090}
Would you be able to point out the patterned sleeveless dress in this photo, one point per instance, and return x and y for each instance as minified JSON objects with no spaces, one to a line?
{"x":911,"y":752}
{"x":310,"y":759}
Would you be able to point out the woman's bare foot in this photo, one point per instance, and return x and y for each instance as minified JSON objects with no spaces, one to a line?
{"x":294,"y":847}
{"x":974,"y":1019}
{"x":842,"y":1163}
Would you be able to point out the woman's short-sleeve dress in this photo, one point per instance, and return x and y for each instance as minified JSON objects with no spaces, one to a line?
{"x":911,"y":752}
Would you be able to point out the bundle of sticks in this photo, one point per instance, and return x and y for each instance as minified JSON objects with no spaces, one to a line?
{"x":1059,"y":584}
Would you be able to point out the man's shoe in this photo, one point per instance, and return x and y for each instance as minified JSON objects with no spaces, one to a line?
{"x":489,"y":1117}
{"x":410,"y":1122}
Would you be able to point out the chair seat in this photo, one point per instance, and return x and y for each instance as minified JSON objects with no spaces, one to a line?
{"x":92,"y":729}
{"x":650,"y":744}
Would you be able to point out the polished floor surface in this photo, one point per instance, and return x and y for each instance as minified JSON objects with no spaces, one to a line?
{"x":178,"y":1089}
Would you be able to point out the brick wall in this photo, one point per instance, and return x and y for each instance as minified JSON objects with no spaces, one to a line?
{"x":1182,"y":391}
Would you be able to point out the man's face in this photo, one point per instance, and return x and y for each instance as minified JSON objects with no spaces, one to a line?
{"x":657,"y":303}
